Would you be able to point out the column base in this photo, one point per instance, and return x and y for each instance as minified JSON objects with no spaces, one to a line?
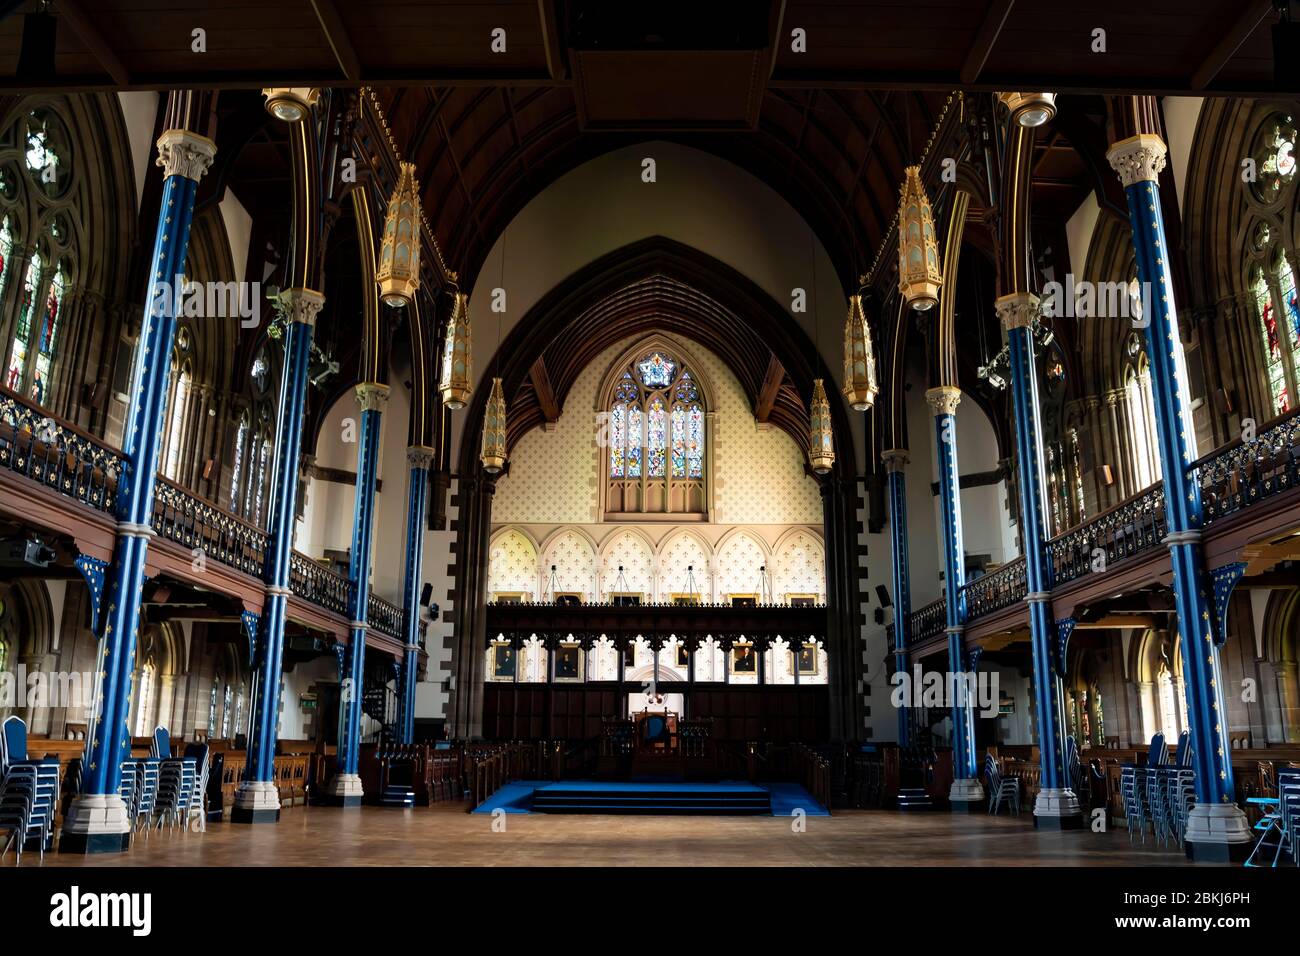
{"x":1057,"y":809}
{"x":96,"y":823}
{"x":966,"y":795}
{"x":256,"y":801}
{"x":343,"y":791}
{"x":1217,"y":833}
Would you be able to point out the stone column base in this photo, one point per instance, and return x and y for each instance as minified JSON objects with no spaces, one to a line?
{"x":1217,"y":833}
{"x":96,"y":823}
{"x":966,"y":795}
{"x":1057,"y":809}
{"x":256,"y":801}
{"x":344,"y":791}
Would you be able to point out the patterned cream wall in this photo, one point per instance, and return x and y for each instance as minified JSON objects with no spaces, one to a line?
{"x":759,"y":471}
{"x":800,"y":566}
{"x":512,"y":565}
{"x":574,"y":559}
{"x":740,"y":557}
{"x":630,"y":551}
{"x":682,"y":557}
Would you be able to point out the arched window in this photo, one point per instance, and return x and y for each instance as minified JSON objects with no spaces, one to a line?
{"x":1168,"y":707}
{"x":237,"y":461}
{"x":656,"y":456}
{"x":1270,"y":256}
{"x":212,"y":705}
{"x":1142,"y":420}
{"x":176,"y":415}
{"x":16,"y":376}
{"x":144,"y":703}
{"x":226,"y":700}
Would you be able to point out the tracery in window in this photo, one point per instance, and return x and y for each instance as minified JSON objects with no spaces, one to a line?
{"x":1142,"y":423}
{"x":656,"y":437}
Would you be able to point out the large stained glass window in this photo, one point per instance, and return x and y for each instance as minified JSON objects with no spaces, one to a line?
{"x":656,"y":437}
{"x":16,"y":375}
{"x":47,"y":338}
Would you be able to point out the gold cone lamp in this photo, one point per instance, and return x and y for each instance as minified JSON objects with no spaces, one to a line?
{"x":821,"y":440}
{"x":493,"y":455}
{"x":398,"y":274}
{"x":456,"y":383}
{"x":919,"y":277}
{"x":860,"y":386}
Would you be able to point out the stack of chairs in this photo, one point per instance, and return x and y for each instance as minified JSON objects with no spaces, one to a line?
{"x":177,"y":780}
{"x":1160,"y":792}
{"x":198,"y":804}
{"x":1279,"y":828}
{"x":1135,"y":782}
{"x":1000,"y":788}
{"x":29,"y":792}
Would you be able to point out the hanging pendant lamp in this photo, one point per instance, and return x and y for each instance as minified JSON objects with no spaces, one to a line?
{"x":919,"y":277}
{"x":493,"y":456}
{"x":456,"y":383}
{"x":398,"y":274}
{"x":860,"y":386}
{"x":821,"y":439}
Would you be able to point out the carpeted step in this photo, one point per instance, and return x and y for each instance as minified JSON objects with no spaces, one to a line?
{"x":678,"y":799}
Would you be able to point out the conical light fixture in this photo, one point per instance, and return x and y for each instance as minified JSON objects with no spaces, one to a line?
{"x":919,"y":277}
{"x":398,"y":274}
{"x":456,"y":383}
{"x":821,"y":440}
{"x":860,"y":386}
{"x":493,"y":455}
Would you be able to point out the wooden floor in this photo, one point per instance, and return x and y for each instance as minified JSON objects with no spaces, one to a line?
{"x":374,"y":836}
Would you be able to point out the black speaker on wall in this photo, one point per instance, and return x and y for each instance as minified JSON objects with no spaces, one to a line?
{"x":883,"y":594}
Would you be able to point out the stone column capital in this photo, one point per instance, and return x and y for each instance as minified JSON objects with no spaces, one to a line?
{"x":1018,"y":310}
{"x":895,"y":459}
{"x":1138,"y":159}
{"x":182,"y":152}
{"x":419,"y":456}
{"x":302,"y":305}
{"x":372,"y":396}
{"x":944,"y":399}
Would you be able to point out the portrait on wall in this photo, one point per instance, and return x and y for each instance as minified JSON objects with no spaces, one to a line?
{"x":503,"y":662}
{"x":568,"y":662}
{"x":744,"y":660}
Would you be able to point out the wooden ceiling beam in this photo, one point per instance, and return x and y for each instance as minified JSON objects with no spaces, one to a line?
{"x":771,"y":386}
{"x":336,"y":34}
{"x":541,"y":380}
{"x":91,"y":36}
{"x":985,"y":39}
{"x":1252,"y":12}
{"x":548,"y":23}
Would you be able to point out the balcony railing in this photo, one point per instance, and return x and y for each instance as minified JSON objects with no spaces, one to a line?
{"x":1129,"y":528}
{"x":79,"y":466}
{"x":928,"y":622}
{"x":998,"y":589}
{"x":1243,"y":473}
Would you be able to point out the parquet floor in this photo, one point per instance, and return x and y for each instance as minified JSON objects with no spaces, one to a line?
{"x":374,"y":836}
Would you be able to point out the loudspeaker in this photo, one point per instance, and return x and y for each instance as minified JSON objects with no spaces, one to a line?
{"x":1286,"y":41}
{"x":880,"y":615}
{"x":36,"y":55}
{"x":209,"y":467}
{"x":1105,"y":476}
{"x":883,"y":595}
{"x":426,"y":594}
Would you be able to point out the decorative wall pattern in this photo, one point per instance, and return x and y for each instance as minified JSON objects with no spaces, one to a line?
{"x":684,"y":557}
{"x":739,"y":559}
{"x":800,"y":566}
{"x":631,"y":552}
{"x":574,"y":561}
{"x":759,"y":475}
{"x":512,"y":565}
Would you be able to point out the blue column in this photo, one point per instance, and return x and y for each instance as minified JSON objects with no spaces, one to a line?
{"x":417,"y":497}
{"x":966,"y":792}
{"x":258,"y":798}
{"x":97,"y":818}
{"x":1057,"y":805}
{"x":345,"y":788}
{"x":1216,"y":828}
{"x":896,"y":460}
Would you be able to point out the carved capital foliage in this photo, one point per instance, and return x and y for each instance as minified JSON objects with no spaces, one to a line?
{"x":184,"y":153}
{"x":1138,"y":159}
{"x":944,"y":399}
{"x":372,"y":396}
{"x":1019,"y":310}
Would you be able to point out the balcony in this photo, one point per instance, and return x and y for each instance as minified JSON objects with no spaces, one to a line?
{"x":66,"y":481}
{"x":1247,"y":489}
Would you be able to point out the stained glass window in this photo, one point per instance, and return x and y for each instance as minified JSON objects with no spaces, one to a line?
{"x":17,"y":372}
{"x":47,"y":339}
{"x":657,"y":438}
{"x":656,"y":434}
{"x":6,"y":255}
{"x":237,"y":465}
{"x":1268,"y":324}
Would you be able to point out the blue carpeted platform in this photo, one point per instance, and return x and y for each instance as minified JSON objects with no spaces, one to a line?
{"x":652,"y":797}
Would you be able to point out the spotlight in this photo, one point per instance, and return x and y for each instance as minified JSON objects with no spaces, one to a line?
{"x":36,"y":55}
{"x":290,"y":104}
{"x":1030,"y":109}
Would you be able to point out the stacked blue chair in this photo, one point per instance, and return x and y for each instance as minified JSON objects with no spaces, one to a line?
{"x":198,"y":753}
{"x":1280,"y":826}
{"x":1132,"y":783}
{"x":29,"y":790}
{"x":1001,"y":788}
{"x":177,"y":779}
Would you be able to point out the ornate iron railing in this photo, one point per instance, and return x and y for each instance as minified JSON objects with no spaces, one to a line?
{"x":928,"y":622}
{"x":385,"y":617}
{"x":317,"y":584}
{"x":1129,"y":528}
{"x":994,"y":591}
{"x":56,"y":454}
{"x":195,"y":523}
{"x":1237,"y":476}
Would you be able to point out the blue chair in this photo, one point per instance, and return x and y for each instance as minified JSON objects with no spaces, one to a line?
{"x":1279,"y":825}
{"x":162,"y":744}
{"x":1158,"y":756}
{"x":1000,"y":787}
{"x":29,"y":790}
